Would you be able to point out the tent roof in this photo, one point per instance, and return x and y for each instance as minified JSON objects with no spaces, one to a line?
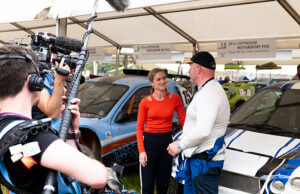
{"x":180,"y":23}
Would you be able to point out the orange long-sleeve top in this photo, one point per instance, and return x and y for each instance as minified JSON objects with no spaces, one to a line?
{"x":157,"y":116}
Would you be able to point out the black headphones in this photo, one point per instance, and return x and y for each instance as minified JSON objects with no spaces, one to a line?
{"x":36,"y":82}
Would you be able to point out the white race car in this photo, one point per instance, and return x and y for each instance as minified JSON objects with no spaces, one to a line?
{"x":263,"y":143}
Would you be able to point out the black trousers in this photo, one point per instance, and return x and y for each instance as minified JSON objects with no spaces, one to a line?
{"x":159,"y":163}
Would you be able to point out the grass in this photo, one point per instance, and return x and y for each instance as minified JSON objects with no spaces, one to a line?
{"x":131,"y":178}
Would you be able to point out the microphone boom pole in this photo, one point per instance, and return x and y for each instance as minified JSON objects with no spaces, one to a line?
{"x":50,"y":183}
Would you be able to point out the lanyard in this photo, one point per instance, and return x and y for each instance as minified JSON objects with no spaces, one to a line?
{"x":205,"y":83}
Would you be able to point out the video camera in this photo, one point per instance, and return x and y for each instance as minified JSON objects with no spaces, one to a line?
{"x":51,"y":49}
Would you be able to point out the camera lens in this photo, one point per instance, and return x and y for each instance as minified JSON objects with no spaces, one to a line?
{"x":69,"y":59}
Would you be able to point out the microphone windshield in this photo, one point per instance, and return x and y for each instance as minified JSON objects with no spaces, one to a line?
{"x":68,"y":43}
{"x":118,"y":5}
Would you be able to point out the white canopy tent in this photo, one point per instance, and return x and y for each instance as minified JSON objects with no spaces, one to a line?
{"x":185,"y":24}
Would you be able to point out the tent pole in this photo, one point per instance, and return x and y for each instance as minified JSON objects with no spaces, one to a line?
{"x":290,"y":10}
{"x":61,"y":27}
{"x":125,"y":61}
{"x":194,"y":48}
{"x":117,"y":60}
{"x":171,"y":25}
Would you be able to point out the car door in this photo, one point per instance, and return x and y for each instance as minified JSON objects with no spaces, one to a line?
{"x":124,"y":125}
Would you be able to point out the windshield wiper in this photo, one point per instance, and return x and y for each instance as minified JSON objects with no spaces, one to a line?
{"x":257,"y":126}
{"x":90,"y":115}
{"x":240,"y":125}
{"x":269,"y":129}
{"x":282,"y":131}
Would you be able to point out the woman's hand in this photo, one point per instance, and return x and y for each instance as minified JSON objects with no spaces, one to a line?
{"x":143,"y":159}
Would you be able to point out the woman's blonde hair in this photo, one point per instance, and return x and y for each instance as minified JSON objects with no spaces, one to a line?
{"x":153,"y":72}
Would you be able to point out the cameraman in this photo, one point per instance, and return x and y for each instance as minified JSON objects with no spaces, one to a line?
{"x":18,"y":94}
{"x":51,"y":96}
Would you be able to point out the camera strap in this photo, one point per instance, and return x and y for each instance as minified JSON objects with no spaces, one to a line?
{"x":62,"y":72}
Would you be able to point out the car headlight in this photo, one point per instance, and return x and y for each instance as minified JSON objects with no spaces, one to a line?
{"x":295,"y":183}
{"x":277,"y":186}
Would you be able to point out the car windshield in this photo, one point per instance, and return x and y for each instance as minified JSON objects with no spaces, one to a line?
{"x":97,"y":99}
{"x":274,"y":111}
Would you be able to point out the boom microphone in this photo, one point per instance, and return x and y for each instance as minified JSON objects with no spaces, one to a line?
{"x":118,"y":5}
{"x":68,"y":43}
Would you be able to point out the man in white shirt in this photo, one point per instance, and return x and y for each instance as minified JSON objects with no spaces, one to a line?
{"x":202,"y":140}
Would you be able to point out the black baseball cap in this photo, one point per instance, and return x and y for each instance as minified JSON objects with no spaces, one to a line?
{"x":204,"y":59}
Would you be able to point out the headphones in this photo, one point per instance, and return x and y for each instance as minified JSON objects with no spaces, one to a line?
{"x":36,"y":82}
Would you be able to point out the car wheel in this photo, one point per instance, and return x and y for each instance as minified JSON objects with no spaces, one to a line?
{"x":90,"y":141}
{"x":86,"y":151}
{"x":96,"y":150}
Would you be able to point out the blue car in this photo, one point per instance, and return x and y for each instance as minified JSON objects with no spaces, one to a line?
{"x":109,"y":109}
{"x":263,"y":143}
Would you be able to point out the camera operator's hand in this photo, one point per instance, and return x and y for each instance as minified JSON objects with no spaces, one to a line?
{"x":75,"y":113}
{"x":50,"y":104}
{"x":74,"y":108}
{"x":61,"y":71}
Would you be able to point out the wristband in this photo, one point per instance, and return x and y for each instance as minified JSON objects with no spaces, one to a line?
{"x":179,"y":147}
{"x":71,"y":135}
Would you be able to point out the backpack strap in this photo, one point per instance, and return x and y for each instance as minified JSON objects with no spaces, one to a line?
{"x":17,"y":132}
{"x":13,"y":133}
{"x":9,"y":126}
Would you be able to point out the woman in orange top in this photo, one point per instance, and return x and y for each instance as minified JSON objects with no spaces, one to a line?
{"x":154,"y":126}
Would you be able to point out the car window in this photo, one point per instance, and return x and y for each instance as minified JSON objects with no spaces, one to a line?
{"x":277,"y":108}
{"x":99,"y":98}
{"x":129,"y":111}
{"x":259,"y":87}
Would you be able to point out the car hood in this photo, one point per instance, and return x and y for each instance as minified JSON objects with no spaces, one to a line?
{"x":260,"y":159}
{"x":88,"y":122}
{"x":251,"y":153}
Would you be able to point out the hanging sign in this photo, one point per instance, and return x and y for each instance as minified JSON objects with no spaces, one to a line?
{"x":239,"y":49}
{"x":96,"y":53}
{"x":152,"y":52}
